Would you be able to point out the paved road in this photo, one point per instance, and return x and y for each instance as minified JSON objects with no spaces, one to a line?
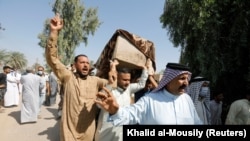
{"x":45,"y":129}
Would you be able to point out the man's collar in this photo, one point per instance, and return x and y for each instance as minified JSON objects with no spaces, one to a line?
{"x":120,"y":89}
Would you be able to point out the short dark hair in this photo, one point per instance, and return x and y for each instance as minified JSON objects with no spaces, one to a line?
{"x":76,"y":58}
{"x":6,"y":67}
{"x":40,"y":67}
{"x":124,"y":70}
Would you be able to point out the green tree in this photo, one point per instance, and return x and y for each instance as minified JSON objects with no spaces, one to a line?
{"x":16,"y":60}
{"x":214,"y":40}
{"x":79,"y":23}
{"x":3,"y":56}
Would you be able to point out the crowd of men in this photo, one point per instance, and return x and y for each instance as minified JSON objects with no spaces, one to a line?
{"x":95,"y":108}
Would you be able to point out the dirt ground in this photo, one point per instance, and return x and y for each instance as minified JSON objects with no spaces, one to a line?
{"x":45,"y":129}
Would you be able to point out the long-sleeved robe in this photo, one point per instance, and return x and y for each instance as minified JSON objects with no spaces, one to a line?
{"x":239,"y":113}
{"x":79,"y":111}
{"x":30,"y":97}
{"x":159,"y":108}
{"x":105,"y":130}
{"x":11,"y":97}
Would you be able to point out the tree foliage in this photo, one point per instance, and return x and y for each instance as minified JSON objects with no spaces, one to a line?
{"x":214,"y":40}
{"x":79,"y":23}
{"x":14,"y":59}
{"x":3,"y":56}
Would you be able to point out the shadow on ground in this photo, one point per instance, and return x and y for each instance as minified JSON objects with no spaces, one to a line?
{"x":54,"y":113}
{"x":16,"y":116}
{"x":52,"y":132}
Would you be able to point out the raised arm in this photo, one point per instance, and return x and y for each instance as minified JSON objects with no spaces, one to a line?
{"x":51,"y":52}
{"x":113,"y":73}
{"x":56,"y":24}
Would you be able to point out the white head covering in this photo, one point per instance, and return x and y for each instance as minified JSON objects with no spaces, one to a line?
{"x":172,"y":70}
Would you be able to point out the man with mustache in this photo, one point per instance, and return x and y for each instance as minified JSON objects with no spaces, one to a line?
{"x":166,"y":104}
{"x":79,"y":111}
{"x":105,"y":130}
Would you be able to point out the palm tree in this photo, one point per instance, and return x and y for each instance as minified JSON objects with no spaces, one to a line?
{"x":3,"y":55}
{"x":16,"y":60}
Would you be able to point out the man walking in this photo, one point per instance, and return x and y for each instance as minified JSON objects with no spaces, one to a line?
{"x":3,"y":85}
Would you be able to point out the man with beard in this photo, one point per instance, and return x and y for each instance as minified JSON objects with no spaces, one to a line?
{"x":166,"y":104}
{"x":79,"y":110}
{"x":105,"y":130}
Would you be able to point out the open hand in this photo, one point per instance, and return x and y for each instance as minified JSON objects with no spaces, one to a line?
{"x":107,"y":101}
